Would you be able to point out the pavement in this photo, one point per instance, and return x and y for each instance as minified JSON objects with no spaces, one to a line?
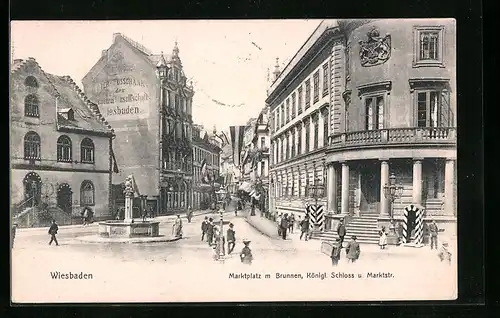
{"x":184,"y":270}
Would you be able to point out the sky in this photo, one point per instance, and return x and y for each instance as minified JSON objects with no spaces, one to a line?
{"x":227,"y":60}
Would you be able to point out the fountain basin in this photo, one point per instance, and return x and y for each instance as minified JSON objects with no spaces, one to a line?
{"x":127,"y":229}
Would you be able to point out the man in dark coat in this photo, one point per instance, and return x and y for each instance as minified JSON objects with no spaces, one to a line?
{"x":52,"y":232}
{"x":336,"y":252}
{"x":210,"y":231}
{"x":341,"y":231}
{"x":433,"y":230}
{"x":204,"y":226}
{"x":246,"y":253}
{"x":352,"y":250}
{"x":284,"y":226}
{"x":304,"y":227}
{"x":231,"y":238}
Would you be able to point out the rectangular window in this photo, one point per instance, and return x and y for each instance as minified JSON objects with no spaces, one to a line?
{"x":282,"y":115}
{"x":287,"y":147}
{"x":288,"y":110}
{"x":293,"y":144}
{"x":316,"y":87}
{"x":262,"y":142}
{"x":281,"y":150}
{"x":374,"y":113}
{"x":293,"y":105}
{"x":325,"y":128}
{"x":432,"y":110}
{"x":262,"y":168}
{"x":307,"y":138}
{"x":299,"y":141}
{"x":316,"y":130}
{"x":308,"y":93}
{"x":325,"y":79}
{"x":299,"y":101}
{"x":428,"y":46}
{"x":277,"y":119}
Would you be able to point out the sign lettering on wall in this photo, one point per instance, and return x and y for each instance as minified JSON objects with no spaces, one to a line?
{"x":122,"y":98}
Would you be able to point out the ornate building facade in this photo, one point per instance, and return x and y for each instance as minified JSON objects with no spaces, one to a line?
{"x":61,"y":147}
{"x":149,"y":102}
{"x":392,"y":106}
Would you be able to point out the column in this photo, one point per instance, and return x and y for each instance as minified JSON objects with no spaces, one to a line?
{"x":384,"y":180}
{"x":449,"y":187}
{"x":345,"y":188}
{"x":417,"y":181}
{"x":320,"y":129}
{"x":332,"y":188}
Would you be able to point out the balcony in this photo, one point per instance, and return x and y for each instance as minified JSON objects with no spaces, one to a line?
{"x":177,"y":167}
{"x":413,"y":135}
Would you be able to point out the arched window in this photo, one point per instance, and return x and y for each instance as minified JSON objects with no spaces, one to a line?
{"x":87,"y":193}
{"x":31,"y":81}
{"x":31,"y":106}
{"x":32,"y":146}
{"x":64,"y":149}
{"x":87,"y":151}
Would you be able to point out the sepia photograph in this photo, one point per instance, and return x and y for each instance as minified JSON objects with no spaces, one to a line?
{"x":167,"y":161}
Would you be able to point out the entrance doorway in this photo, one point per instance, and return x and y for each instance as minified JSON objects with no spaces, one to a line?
{"x":64,"y":198}
{"x":370,"y":186}
{"x":32,"y":188}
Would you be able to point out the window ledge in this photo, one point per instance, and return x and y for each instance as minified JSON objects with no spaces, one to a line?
{"x":431,"y":63}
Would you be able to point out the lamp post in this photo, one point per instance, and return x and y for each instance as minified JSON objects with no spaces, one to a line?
{"x":392,"y":192}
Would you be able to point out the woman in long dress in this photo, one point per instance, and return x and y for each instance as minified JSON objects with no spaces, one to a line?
{"x":178,"y":226}
{"x":382,"y":241}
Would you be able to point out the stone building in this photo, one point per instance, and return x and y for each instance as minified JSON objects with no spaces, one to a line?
{"x":61,"y":147}
{"x":206,"y":168}
{"x":392,"y":106}
{"x":147,"y":99}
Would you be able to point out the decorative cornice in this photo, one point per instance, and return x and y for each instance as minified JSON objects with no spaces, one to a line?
{"x":374,"y":87}
{"x":423,"y":82}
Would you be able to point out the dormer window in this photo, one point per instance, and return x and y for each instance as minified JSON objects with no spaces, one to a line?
{"x":67,"y":113}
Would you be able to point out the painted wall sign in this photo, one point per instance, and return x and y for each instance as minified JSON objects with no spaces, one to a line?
{"x":123,"y":98}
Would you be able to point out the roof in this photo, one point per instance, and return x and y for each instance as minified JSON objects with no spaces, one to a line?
{"x":69,"y":96}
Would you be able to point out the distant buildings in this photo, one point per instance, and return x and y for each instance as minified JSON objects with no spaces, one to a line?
{"x":61,"y":148}
{"x":147,"y":99}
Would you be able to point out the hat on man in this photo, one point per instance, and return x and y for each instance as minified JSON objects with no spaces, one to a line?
{"x":354,"y":237}
{"x":245,"y":241}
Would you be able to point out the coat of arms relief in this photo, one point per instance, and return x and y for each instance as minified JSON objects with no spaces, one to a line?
{"x":375,"y":50}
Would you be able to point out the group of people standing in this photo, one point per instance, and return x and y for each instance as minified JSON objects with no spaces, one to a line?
{"x":287,"y":222}
{"x":352,"y":250}
{"x":216,"y":239}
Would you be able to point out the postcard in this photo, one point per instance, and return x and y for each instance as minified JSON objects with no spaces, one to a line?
{"x":233,"y":160}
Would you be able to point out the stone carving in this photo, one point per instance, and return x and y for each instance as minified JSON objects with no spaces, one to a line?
{"x":375,"y":50}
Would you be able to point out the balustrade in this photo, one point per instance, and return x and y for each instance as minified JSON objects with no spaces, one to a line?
{"x":395,"y":136}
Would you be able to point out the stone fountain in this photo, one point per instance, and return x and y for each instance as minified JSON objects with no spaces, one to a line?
{"x":128,"y":228}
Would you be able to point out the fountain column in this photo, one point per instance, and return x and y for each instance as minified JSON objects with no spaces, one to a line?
{"x":129,"y":193}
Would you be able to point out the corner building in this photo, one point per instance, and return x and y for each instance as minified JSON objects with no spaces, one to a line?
{"x":61,"y":148}
{"x":147,"y":100}
{"x":393,"y":116}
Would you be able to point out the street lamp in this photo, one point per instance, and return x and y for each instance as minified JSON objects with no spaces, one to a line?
{"x":392,"y":192}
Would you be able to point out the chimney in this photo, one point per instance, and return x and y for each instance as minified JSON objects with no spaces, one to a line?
{"x":277,"y":71}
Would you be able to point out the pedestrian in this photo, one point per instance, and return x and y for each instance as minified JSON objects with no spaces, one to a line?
{"x":433,"y":230}
{"x":178,"y":227}
{"x":13,"y":234}
{"x":189,"y":214}
{"x":219,"y":240}
{"x":53,"y":232}
{"x":304,"y":227}
{"x":341,"y":231}
{"x":284,"y":226}
{"x":336,"y":248}
{"x":144,"y":214}
{"x":204,"y":226}
{"x":246,"y":256}
{"x":231,"y":238}
{"x":352,"y":250}
{"x":444,"y":254}
{"x":291,"y":223}
{"x":278,"y":223}
{"x":210,"y":231}
{"x":382,"y":241}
